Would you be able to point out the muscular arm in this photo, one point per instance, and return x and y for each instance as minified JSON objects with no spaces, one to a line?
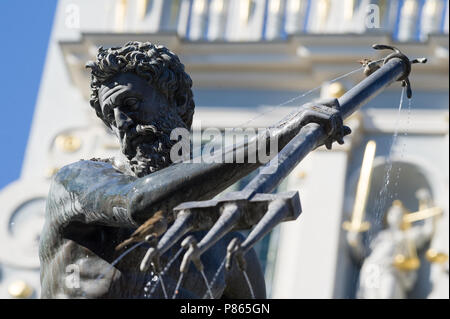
{"x":94,"y":192}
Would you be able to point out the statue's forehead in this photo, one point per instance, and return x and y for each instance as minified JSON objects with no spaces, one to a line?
{"x":130,"y":80}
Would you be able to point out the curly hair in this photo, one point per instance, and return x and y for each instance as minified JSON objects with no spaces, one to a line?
{"x":155,"y":64}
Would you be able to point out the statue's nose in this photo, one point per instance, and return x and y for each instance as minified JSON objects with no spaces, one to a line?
{"x":123,"y":121}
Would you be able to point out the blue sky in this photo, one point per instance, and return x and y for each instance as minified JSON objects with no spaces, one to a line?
{"x":25,"y":28}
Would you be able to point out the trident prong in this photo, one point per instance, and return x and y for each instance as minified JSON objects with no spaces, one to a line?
{"x":235,"y":251}
{"x":193,"y":254}
{"x":182,"y":225}
{"x":278,"y":210}
{"x":152,"y":258}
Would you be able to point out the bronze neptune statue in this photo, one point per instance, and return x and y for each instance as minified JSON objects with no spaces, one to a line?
{"x":142,"y":93}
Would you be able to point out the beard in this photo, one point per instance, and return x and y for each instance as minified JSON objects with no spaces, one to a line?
{"x":147,"y":146}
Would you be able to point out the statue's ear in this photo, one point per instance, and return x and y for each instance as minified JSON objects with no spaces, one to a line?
{"x":181,"y":100}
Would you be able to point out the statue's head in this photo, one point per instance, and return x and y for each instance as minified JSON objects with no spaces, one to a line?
{"x":394,"y":217}
{"x":142,"y":93}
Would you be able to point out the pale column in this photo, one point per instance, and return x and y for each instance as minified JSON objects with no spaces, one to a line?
{"x":169,"y":15}
{"x":388,"y":14}
{"x":245,"y":20}
{"x":198,"y":19}
{"x":274,"y":22}
{"x":148,"y":16}
{"x":447,"y":4}
{"x":319,"y":14}
{"x":131,"y":23}
{"x":408,"y":20}
{"x":184,"y":18}
{"x":295,"y":15}
{"x":358,"y":21}
{"x":339,"y":12}
{"x":217,"y":19}
{"x":308,"y":247}
{"x":120,"y":14}
{"x":431,"y":18}
{"x":346,"y":16}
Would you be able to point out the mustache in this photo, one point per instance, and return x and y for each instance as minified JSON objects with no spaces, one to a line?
{"x":143,"y":130}
{"x":142,"y":133}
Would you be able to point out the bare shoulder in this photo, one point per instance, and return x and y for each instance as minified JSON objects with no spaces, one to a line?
{"x":85,"y":175}
{"x":81,"y":168}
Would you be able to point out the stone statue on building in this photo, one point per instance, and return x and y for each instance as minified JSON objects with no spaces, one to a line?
{"x":389,"y":266}
{"x":142,"y":93}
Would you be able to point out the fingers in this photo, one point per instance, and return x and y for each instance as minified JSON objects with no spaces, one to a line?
{"x":327,"y":114}
{"x":347,"y":130}
{"x":338,"y":136}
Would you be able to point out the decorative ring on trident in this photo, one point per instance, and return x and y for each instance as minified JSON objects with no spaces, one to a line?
{"x":407,"y":62}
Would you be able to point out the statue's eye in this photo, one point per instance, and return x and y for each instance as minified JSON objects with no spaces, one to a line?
{"x":131,"y":102}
